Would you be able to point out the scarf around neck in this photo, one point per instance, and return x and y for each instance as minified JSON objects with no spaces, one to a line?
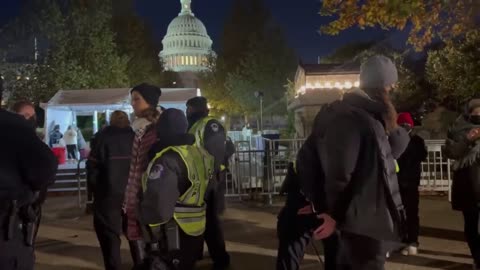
{"x":140,"y":125}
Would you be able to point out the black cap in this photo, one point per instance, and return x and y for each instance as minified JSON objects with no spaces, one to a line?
{"x":149,"y":92}
{"x":198,"y":103}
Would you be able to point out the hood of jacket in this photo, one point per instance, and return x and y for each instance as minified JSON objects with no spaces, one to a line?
{"x":362,"y":100}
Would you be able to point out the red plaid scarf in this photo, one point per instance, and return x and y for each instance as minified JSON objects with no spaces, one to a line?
{"x":144,"y":139}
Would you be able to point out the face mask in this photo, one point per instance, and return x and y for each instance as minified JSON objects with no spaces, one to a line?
{"x":32,"y":121}
{"x":475,"y":119}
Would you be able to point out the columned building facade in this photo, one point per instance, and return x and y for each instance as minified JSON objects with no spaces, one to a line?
{"x":187,"y":47}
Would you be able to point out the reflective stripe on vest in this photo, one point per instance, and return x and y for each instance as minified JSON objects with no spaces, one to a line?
{"x":397,"y":167}
{"x":190,"y":210}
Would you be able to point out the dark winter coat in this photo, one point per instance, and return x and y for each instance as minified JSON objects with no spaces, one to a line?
{"x":310,"y":175}
{"x":108,"y":166}
{"x":358,"y":159}
{"x":410,"y":163}
{"x":466,"y":173}
{"x":55,"y":137}
{"x":26,"y":163}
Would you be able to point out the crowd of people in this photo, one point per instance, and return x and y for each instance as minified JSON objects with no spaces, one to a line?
{"x":160,"y":181}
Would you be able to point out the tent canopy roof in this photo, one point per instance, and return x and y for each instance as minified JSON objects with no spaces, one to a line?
{"x":87,"y":99}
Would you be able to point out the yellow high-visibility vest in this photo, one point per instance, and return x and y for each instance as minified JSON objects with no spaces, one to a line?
{"x":190,"y":210}
{"x":198,"y":130}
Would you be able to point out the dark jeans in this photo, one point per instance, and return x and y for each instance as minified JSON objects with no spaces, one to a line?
{"x":72,"y":151}
{"x":472,"y":233}
{"x":109,"y":243}
{"x":357,"y":252}
{"x":411,"y":201}
{"x":214,"y":236}
{"x":294,"y":234}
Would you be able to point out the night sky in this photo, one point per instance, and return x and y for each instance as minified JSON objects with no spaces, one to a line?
{"x":299,"y":19}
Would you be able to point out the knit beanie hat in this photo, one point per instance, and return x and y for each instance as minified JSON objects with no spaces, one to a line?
{"x":172,"y":122}
{"x":150,"y":93}
{"x":405,"y":118}
{"x":378,"y":72}
{"x":198,"y":103}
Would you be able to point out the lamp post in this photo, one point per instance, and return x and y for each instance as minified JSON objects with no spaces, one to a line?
{"x":259,"y":95}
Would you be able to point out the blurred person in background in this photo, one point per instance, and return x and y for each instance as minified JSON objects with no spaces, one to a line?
{"x":55,"y":136}
{"x":71,"y":140}
{"x":410,"y":164}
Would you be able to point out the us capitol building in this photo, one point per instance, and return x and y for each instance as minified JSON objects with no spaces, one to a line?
{"x":186,"y":46}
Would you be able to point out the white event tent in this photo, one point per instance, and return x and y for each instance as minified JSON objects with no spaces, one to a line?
{"x":66,"y":105}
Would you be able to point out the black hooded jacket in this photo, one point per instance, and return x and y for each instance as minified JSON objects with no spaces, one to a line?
{"x":410,"y":163}
{"x":358,"y":161}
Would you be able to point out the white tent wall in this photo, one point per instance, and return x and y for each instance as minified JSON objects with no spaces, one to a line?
{"x":66,"y":105}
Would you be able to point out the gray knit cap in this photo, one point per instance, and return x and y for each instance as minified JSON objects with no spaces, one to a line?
{"x":378,"y":72}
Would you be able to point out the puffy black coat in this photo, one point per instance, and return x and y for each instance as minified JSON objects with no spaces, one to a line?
{"x":410,"y":163}
{"x":108,"y":167}
{"x":357,"y":157}
{"x":26,"y":163}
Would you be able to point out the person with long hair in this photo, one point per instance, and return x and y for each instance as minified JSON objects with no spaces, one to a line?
{"x":357,"y":140}
{"x":108,"y":166}
{"x":144,"y":102}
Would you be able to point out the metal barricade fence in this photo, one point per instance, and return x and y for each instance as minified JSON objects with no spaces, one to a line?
{"x":261,"y":172}
{"x":436,"y":170}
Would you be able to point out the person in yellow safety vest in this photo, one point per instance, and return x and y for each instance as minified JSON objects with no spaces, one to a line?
{"x":172,"y":208}
{"x":210,"y":134}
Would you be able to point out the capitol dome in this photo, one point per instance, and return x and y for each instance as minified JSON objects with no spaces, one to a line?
{"x":186,"y":46}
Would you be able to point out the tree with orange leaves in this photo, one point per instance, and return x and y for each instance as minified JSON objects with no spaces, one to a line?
{"x":429,"y":19}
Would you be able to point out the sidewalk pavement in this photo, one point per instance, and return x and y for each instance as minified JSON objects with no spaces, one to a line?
{"x":67,"y":240}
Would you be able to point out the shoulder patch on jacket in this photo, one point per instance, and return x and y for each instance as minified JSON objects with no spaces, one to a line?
{"x":215,"y":127}
{"x":156,"y":172}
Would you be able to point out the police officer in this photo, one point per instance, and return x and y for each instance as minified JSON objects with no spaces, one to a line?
{"x":26,"y":166}
{"x":173,"y":208}
{"x":211,"y":135}
{"x":27,"y":110}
